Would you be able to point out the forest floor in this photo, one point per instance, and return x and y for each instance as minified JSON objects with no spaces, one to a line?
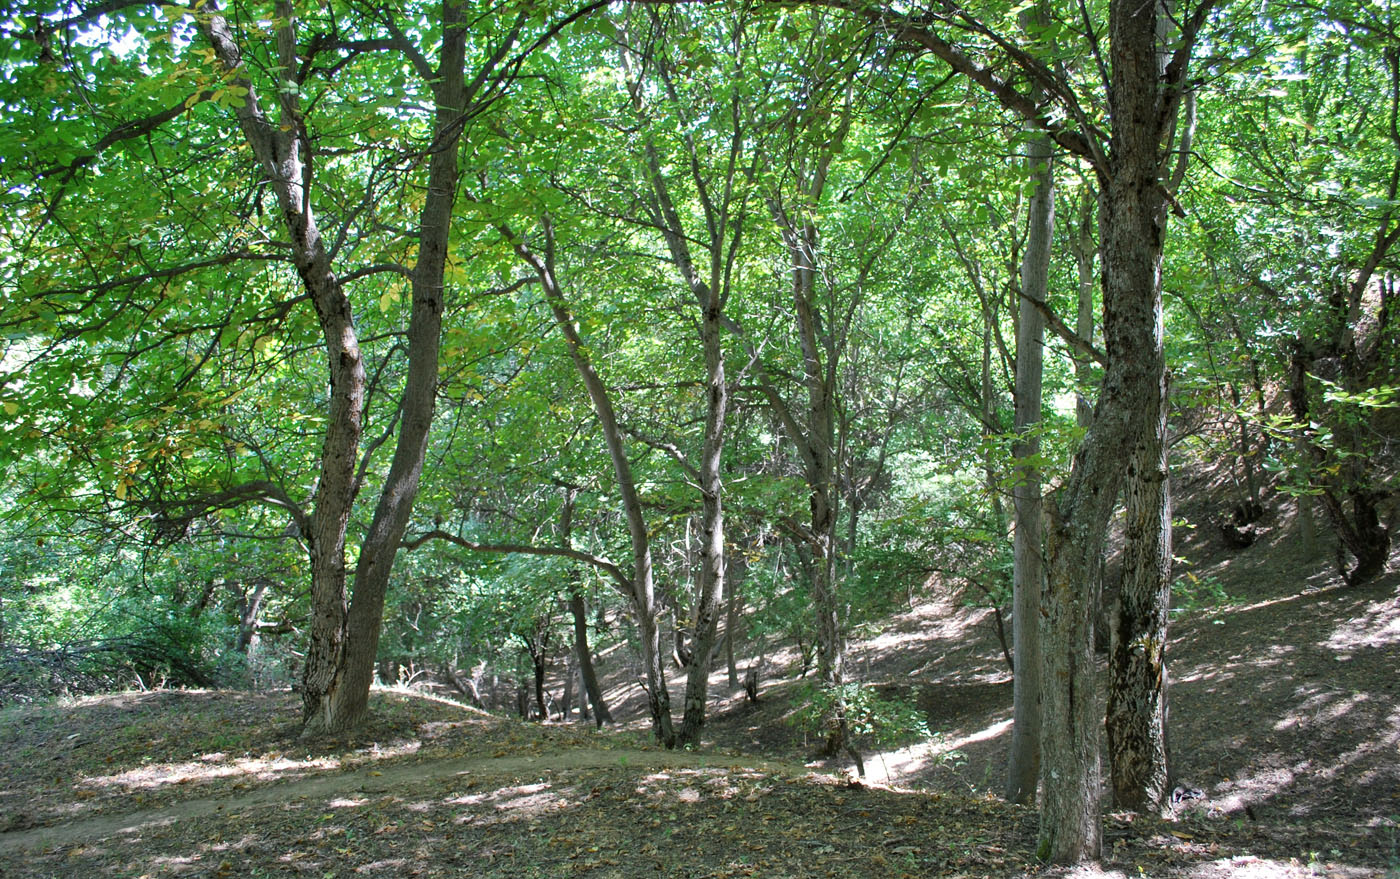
{"x":1285,"y":736}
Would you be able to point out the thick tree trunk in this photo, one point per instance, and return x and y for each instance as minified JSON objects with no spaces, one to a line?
{"x":1144,"y":95}
{"x":344,"y":637}
{"x":1361,"y":531}
{"x":1132,"y":230}
{"x":345,"y":702}
{"x":1023,"y":764}
{"x":1137,"y":694}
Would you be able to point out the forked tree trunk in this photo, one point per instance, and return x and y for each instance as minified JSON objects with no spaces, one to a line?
{"x":345,"y":701}
{"x":1144,"y":97}
{"x":1023,"y":764}
{"x":345,"y":636}
{"x":1132,"y":232}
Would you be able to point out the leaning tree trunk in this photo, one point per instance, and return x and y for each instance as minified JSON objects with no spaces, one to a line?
{"x":591,"y":688}
{"x":1137,"y":690}
{"x":279,"y":151}
{"x":1023,"y":764}
{"x":643,"y":589}
{"x":344,"y":639}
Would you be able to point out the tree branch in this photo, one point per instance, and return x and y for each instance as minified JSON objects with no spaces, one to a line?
{"x":623,"y":581}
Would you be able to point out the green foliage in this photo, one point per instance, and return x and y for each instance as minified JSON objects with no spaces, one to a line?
{"x":871,"y":718}
{"x":1192,"y":592}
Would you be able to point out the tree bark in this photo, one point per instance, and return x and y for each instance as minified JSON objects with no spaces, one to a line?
{"x":279,"y":146}
{"x":1084,"y":250}
{"x":1137,"y":694}
{"x":250,"y":608}
{"x":1132,"y":232}
{"x":723,"y":232}
{"x":1023,"y":764}
{"x":592,"y":690}
{"x":348,"y":703}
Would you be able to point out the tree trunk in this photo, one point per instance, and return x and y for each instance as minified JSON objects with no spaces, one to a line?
{"x":345,"y":702}
{"x":712,"y":552}
{"x":1137,"y":694}
{"x":278,"y":146}
{"x":250,"y":610}
{"x":571,"y":676}
{"x":345,"y":637}
{"x":1084,"y":251}
{"x":643,"y":590}
{"x":817,"y":444}
{"x":585,"y":659}
{"x":1023,"y":764}
{"x":583,"y":655}
{"x":734,"y":617}
{"x":991,"y":422}
{"x":539,"y":664}
{"x":1132,"y":231}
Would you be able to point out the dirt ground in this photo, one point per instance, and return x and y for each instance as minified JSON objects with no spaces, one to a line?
{"x":1285,"y":725}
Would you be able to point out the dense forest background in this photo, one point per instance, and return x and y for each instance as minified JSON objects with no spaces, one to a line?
{"x":469,"y":341}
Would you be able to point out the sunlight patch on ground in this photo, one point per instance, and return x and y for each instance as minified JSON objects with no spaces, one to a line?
{"x":1233,"y":794}
{"x":891,"y":767}
{"x":1251,"y":867}
{"x":161,"y":775}
{"x":391,"y":865}
{"x":1225,"y":670}
{"x":1320,"y":708}
{"x":1378,"y":627}
{"x":1090,"y":871}
{"x":526,"y":800}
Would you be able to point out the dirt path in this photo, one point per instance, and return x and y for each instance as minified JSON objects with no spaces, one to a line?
{"x":370,"y":781}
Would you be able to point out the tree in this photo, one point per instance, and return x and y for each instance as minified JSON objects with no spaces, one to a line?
{"x":1325,"y":174}
{"x":306,"y":66}
{"x":1143,"y":96}
{"x":1023,"y":766}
